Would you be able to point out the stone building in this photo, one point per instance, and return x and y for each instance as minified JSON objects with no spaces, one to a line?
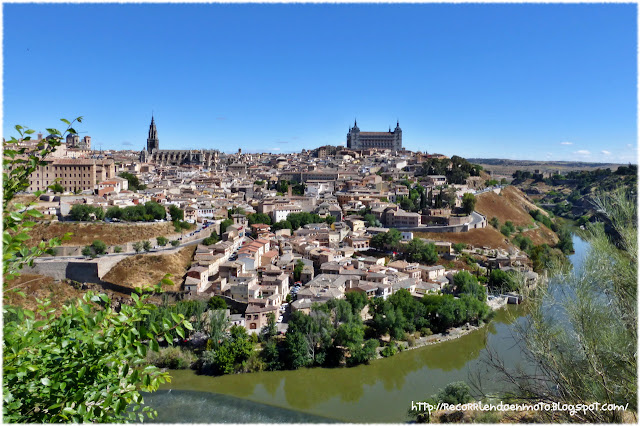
{"x":381,"y":140}
{"x":175,"y":157}
{"x":73,"y":174}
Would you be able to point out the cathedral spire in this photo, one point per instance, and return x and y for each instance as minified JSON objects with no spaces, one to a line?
{"x":153,"y":144}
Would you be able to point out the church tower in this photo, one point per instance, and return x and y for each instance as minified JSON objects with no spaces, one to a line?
{"x":153,"y":144}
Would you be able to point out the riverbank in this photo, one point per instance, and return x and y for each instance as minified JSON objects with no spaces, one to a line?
{"x":451,"y":334}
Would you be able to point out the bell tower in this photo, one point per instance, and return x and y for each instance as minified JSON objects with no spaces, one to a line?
{"x":153,"y":144}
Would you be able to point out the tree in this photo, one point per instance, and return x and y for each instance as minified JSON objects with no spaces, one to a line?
{"x":494,"y":222}
{"x":468,"y":284}
{"x":591,"y":355}
{"x":88,"y":251}
{"x":134,"y":182}
{"x":224,"y":225}
{"x":99,"y":247}
{"x":297,"y":270}
{"x":57,"y":188}
{"x":211,"y":239}
{"x":502,"y":281}
{"x":259,"y":218}
{"x":117,"y":249}
{"x":458,"y":247}
{"x":146,"y":245}
{"x":270,"y":330}
{"x":84,"y":363}
{"x":468,"y":203}
{"x":217,"y":302}
{"x":357,"y":300}
{"x":162,"y":241}
{"x":137,"y":246}
{"x":176,"y":213}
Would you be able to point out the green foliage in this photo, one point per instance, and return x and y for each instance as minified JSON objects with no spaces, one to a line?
{"x":466,"y":283}
{"x":539,"y":217}
{"x":210,"y":240}
{"x":468,"y":203}
{"x":259,"y":218}
{"x":175,"y":243}
{"x":88,"y":251}
{"x":162,"y":241}
{"x":179,"y":225}
{"x":523,"y":242}
{"x":117,"y":249}
{"x":445,"y":311}
{"x":390,"y":350}
{"x":176,"y":213}
{"x":386,"y":239}
{"x":297,"y":270}
{"x":172,"y":357}
{"x":85,"y":212}
{"x":565,"y":243}
{"x":224,"y":225}
{"x":231,"y":355}
{"x":419,"y":251}
{"x":458,"y":247}
{"x":146,"y":245}
{"x":454,"y":393}
{"x":148,"y":212}
{"x":494,"y":222}
{"x":270,"y":330}
{"x":258,"y":182}
{"x":283,"y":224}
{"x":298,"y":220}
{"x":85,"y":365}
{"x":217,"y":302}
{"x":502,"y":281}
{"x":271,"y":355}
{"x":99,"y":247}
{"x":358,"y":301}
{"x":57,"y":188}
{"x":134,"y":182}
{"x":507,"y":229}
{"x":137,"y":246}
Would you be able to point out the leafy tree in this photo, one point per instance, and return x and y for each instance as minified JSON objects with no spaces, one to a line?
{"x":162,"y":241}
{"x":458,"y":247}
{"x":494,"y":222}
{"x":146,"y":245}
{"x":117,"y":249}
{"x":283,"y":224}
{"x":177,"y":214}
{"x":297,"y":270}
{"x":134,"y":182}
{"x":468,"y":203}
{"x":259,"y":218}
{"x":88,"y":251}
{"x":114,"y":212}
{"x":224,"y":225}
{"x":271,"y":355}
{"x":297,"y":352}
{"x":57,"y":188}
{"x":468,"y":284}
{"x":137,"y":246}
{"x":233,"y":352}
{"x":502,"y":281}
{"x":99,"y":247}
{"x":175,"y":243}
{"x":270,"y":330}
{"x":84,"y":363}
{"x":565,"y":242}
{"x":217,"y":302}
{"x":454,"y":393}
{"x":210,"y":240}
{"x":84,"y":212}
{"x":357,"y":300}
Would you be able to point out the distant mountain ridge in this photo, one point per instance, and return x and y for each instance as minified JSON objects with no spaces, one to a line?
{"x":571,"y":164}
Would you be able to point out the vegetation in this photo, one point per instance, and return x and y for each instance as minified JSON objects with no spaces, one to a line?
{"x":461,"y":169}
{"x":419,"y":251}
{"x":210,"y":240}
{"x":146,"y":245}
{"x":148,"y":212}
{"x":494,"y":222}
{"x":259,"y":218}
{"x":298,"y":220}
{"x":85,"y":212}
{"x":507,"y":229}
{"x":468,"y":203}
{"x":134,"y":182}
{"x":224,"y":225}
{"x":591,"y":355}
{"x":385,"y":240}
{"x":176,"y":213}
{"x":56,"y":188}
{"x":162,"y":241}
{"x":217,"y":302}
{"x":137,"y":246}
{"x":297,"y":270}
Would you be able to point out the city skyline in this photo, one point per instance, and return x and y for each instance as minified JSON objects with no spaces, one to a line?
{"x":519,"y":81}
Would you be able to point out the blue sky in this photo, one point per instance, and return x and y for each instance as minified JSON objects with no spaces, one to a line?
{"x":520,"y":81}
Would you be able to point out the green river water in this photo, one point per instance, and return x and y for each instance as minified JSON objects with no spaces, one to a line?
{"x":380,"y":392}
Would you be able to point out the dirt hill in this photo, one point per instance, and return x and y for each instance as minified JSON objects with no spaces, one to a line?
{"x":110,"y":233}
{"x":512,"y":204}
{"x":148,"y":269}
{"x":488,"y":237}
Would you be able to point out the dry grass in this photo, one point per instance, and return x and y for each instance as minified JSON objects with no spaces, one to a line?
{"x":148,"y":269}
{"x":507,"y":206}
{"x":41,"y":287}
{"x":110,"y":233}
{"x":488,"y":236}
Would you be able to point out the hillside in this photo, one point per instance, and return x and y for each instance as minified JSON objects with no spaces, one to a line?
{"x":110,"y":233}
{"x":148,"y":269}
{"x":513,"y":205}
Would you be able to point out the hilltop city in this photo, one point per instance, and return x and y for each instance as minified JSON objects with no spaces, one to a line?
{"x":278,"y":233}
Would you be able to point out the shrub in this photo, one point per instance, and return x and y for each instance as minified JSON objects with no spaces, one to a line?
{"x":494,"y":222}
{"x":137,"y":246}
{"x":162,"y":241}
{"x":99,"y":247}
{"x":426,"y":331}
{"x":117,"y":249}
{"x":390,"y":350}
{"x":175,"y":243}
{"x":411,"y":341}
{"x":87,"y":251}
{"x":146,"y":245}
{"x":171,"y":357}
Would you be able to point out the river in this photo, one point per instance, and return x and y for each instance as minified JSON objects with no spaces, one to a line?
{"x":380,"y":392}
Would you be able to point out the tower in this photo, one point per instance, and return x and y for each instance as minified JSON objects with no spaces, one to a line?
{"x":353,"y":136}
{"x":397,"y":137}
{"x":153,"y":144}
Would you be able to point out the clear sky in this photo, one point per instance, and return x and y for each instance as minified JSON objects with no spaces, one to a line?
{"x":520,"y":81}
